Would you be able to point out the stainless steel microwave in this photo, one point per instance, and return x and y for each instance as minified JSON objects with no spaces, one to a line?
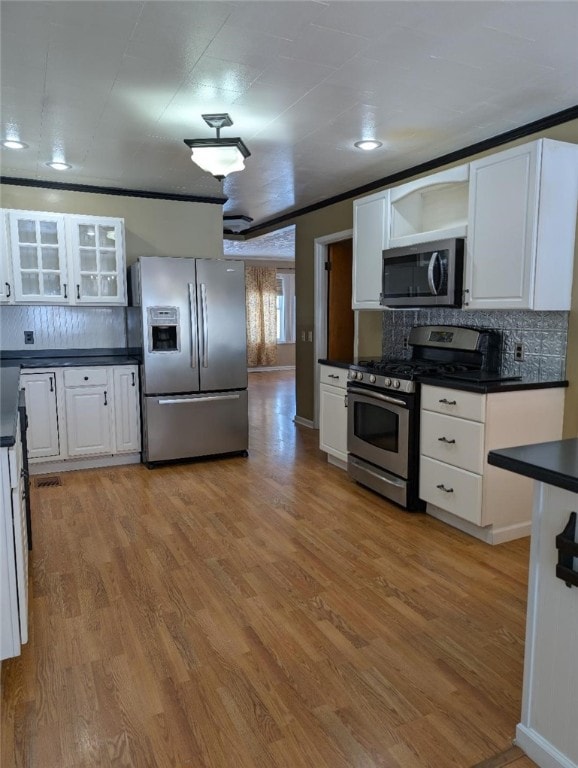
{"x":424,"y":275}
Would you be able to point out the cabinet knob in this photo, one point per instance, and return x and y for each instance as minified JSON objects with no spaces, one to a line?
{"x":86,"y":378}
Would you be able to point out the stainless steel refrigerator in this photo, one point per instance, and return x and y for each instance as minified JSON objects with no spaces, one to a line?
{"x":188,"y":318}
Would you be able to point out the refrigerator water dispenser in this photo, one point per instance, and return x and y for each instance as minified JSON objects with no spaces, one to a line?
{"x":163,"y":329}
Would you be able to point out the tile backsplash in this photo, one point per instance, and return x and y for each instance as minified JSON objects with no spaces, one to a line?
{"x":62,"y":327}
{"x":543,"y":335}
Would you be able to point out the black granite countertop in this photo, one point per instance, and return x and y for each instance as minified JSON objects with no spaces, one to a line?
{"x":336,"y":363}
{"x":554,"y":463}
{"x":492,"y":386}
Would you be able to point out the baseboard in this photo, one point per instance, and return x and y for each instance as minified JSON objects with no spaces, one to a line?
{"x":93,"y":462}
{"x":304,"y":422}
{"x":272,"y":368}
{"x":541,"y":751}
{"x":490,"y":534}
{"x":336,"y":462}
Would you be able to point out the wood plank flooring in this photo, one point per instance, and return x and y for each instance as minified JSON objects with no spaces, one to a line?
{"x":260,"y":612}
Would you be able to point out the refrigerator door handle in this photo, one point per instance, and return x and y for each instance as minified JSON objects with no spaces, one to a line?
{"x":209,"y":398}
{"x":193,"y":309}
{"x":205,"y":326}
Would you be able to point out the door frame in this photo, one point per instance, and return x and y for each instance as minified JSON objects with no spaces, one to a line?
{"x":320,"y":336}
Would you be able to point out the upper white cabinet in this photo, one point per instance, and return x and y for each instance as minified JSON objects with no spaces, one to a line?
{"x":97,"y":249}
{"x":6,"y":284}
{"x":434,"y":207}
{"x":55,"y":258}
{"x":522,"y":224}
{"x":370,"y":232}
{"x":39,"y":259}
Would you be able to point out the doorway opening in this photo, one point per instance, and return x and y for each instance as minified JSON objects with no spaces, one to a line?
{"x":335,"y":321}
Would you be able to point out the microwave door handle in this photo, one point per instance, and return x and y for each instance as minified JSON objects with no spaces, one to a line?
{"x":193,"y":310}
{"x":430,"y":273}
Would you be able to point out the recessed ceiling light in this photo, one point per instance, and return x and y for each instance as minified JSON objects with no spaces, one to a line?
{"x":58,"y":166}
{"x":368,"y":144}
{"x":13,"y":144}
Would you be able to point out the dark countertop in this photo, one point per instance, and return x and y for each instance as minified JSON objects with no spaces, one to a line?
{"x":554,"y":463}
{"x":11,"y":363}
{"x":492,"y":386}
{"x":336,"y":363}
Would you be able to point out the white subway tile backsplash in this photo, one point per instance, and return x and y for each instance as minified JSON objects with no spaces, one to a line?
{"x":62,"y":327}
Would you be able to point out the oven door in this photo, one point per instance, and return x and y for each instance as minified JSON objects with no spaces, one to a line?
{"x":378,"y":429}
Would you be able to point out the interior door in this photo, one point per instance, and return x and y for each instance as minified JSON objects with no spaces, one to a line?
{"x":222,"y":324}
{"x":340,"y":316}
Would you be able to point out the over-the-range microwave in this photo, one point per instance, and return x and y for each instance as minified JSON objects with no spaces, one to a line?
{"x":423,"y":275}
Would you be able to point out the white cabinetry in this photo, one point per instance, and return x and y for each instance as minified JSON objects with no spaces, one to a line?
{"x":39,"y":259}
{"x":370,"y":228}
{"x":333,"y":413}
{"x":62,"y":259}
{"x":88,"y":411}
{"x":13,"y":552}
{"x":42,"y":436}
{"x":434,"y":207}
{"x":127,"y":408}
{"x":6,"y":284}
{"x":458,"y":429}
{"x":522,"y":224}
{"x":91,"y":419}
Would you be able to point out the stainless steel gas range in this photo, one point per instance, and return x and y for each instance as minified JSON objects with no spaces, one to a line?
{"x":383,"y":405}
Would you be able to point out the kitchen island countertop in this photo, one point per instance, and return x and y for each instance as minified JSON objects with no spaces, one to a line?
{"x":554,"y":463}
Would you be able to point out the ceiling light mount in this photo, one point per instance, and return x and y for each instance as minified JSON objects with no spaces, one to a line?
{"x":218,"y":156}
{"x":14,"y":144}
{"x":57,"y":165}
{"x":235,"y":223}
{"x":368,"y":144}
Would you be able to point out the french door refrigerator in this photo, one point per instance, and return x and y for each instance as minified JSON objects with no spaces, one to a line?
{"x":189,"y":321}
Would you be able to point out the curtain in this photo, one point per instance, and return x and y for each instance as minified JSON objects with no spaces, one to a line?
{"x":261,"y":291}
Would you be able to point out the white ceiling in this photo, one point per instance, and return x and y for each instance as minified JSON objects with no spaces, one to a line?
{"x":114,"y":87}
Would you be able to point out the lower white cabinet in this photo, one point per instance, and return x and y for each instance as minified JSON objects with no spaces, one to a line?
{"x":13,"y":552}
{"x":458,"y":429}
{"x":42,"y":436}
{"x":333,"y":412}
{"x":82,"y":416}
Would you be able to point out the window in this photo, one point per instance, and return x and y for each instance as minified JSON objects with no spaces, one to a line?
{"x":285,"y":307}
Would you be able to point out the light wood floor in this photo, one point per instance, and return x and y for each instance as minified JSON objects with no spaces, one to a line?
{"x":260,"y":612}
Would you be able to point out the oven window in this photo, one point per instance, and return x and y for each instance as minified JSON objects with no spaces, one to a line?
{"x":376,"y":425}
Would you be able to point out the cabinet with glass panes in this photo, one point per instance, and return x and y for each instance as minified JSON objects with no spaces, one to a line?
{"x":97,"y":250}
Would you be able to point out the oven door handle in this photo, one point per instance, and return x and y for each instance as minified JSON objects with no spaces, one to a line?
{"x":430,"y":273}
{"x":377,"y":396}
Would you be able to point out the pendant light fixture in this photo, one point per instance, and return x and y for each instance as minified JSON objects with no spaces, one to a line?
{"x":218,"y":156}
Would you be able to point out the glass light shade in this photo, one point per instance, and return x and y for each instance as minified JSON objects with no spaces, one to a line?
{"x":219,"y":161}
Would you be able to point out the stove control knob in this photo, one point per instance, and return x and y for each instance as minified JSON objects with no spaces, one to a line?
{"x":359,"y":376}
{"x":396,"y":384}
{"x":387,"y":382}
{"x":372,"y":379}
{"x":350,"y":375}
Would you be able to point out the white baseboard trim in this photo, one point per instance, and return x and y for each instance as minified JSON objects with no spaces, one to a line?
{"x":491,"y":534}
{"x":272,"y":368}
{"x":303,"y":422}
{"x":336,"y":462}
{"x":93,"y":462}
{"x":541,"y":751}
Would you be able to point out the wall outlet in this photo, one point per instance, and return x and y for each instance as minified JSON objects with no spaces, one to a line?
{"x":519,"y":352}
{"x":29,"y":337}
{"x":405,"y":342}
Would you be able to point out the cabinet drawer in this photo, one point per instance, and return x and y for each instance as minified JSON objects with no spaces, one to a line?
{"x":453,"y":402}
{"x":85,"y":377}
{"x":454,"y":441}
{"x":452,"y":489}
{"x":337,"y":377}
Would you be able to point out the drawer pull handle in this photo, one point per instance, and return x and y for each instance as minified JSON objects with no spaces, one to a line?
{"x":332,"y":376}
{"x":445,"y":440}
{"x":78,"y":291}
{"x":445,"y":401}
{"x":442,"y":487}
{"x":8,"y":291}
{"x":65,"y":291}
{"x":133,"y":381}
{"x":105,"y":400}
{"x":51,"y":384}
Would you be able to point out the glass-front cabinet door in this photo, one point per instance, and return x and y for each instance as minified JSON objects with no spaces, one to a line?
{"x":97,"y":246}
{"x":39,"y":257}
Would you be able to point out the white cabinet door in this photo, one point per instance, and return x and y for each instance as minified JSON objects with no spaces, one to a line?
{"x":6,"y":286}
{"x":39,"y":261}
{"x":41,"y":409}
{"x":333,"y":421}
{"x":126,"y":409}
{"x":370,"y":227}
{"x":522,"y":224}
{"x":98,"y":258}
{"x":88,"y":420}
